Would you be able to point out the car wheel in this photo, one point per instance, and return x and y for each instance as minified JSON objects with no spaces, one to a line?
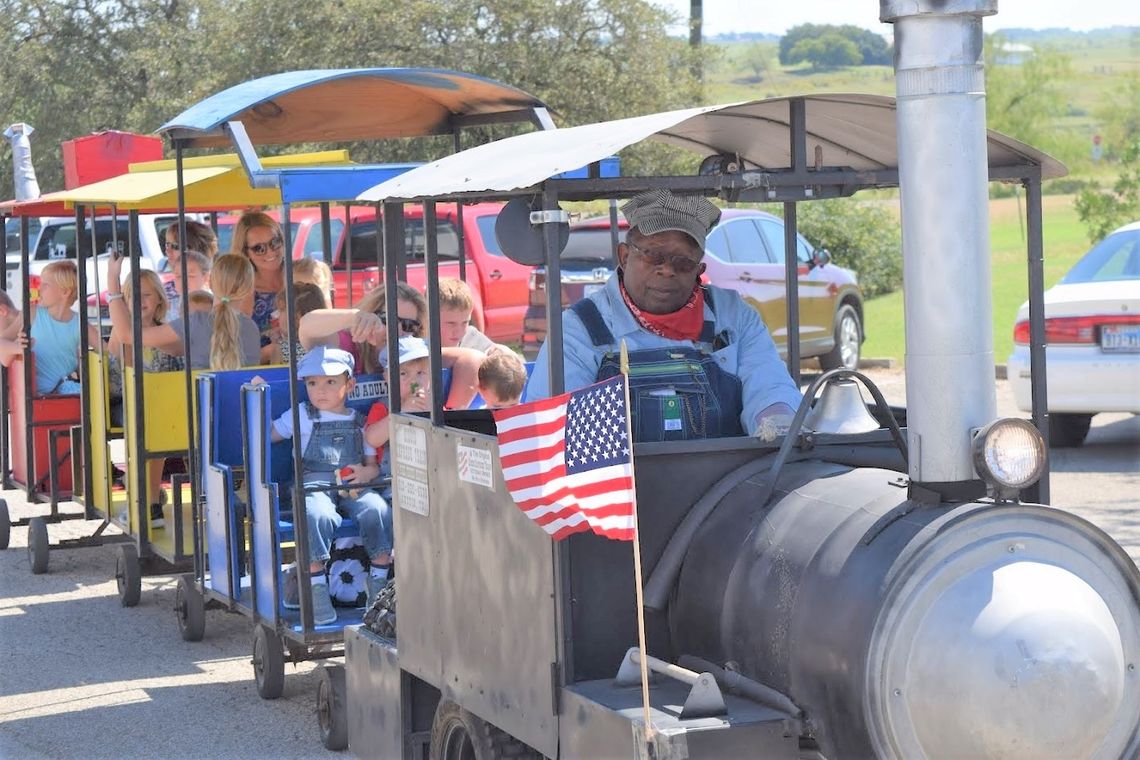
{"x":1068,"y":430}
{"x":848,"y":340}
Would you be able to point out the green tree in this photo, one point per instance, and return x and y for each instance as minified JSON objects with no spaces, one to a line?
{"x":757,"y":57}
{"x":860,"y":236}
{"x":76,"y":66}
{"x":1119,"y":114}
{"x":1103,"y":211}
{"x":828,"y":51}
{"x":1026,"y":100}
{"x":870,"y":47}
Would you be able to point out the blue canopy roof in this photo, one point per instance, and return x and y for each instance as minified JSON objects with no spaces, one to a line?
{"x":334,"y":183}
{"x":338,"y":105}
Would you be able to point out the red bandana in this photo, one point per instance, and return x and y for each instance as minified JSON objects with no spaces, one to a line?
{"x":683,"y":324}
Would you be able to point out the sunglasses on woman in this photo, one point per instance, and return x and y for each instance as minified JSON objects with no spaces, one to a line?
{"x":411,"y":326}
{"x":262,"y":249}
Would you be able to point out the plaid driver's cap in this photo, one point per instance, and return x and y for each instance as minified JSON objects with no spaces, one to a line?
{"x":410,"y":347}
{"x":325,"y":361}
{"x":660,"y":211}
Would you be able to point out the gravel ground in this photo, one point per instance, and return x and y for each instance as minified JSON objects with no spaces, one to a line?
{"x":82,"y":676}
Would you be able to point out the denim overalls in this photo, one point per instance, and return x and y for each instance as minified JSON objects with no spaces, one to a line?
{"x":678,"y":393}
{"x":334,"y":444}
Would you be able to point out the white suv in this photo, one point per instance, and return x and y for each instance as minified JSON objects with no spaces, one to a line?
{"x":54,"y":238}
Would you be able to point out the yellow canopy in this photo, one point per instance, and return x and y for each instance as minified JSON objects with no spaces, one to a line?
{"x":211,"y":183}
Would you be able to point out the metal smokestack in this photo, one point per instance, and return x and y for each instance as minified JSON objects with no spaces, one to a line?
{"x":22,"y":169}
{"x":943,"y":176}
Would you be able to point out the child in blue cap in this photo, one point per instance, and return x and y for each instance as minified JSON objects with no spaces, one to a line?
{"x":332,"y":442}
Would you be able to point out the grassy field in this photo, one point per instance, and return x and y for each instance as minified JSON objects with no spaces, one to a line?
{"x":1065,"y":242}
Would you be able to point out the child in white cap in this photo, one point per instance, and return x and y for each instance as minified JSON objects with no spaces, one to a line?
{"x":332,"y":442}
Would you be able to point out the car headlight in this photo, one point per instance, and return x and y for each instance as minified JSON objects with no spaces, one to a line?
{"x":1009,"y":454}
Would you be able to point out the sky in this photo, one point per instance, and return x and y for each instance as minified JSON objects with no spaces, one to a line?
{"x":777,"y":16}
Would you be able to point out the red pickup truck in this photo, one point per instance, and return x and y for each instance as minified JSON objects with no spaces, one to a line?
{"x":500,"y":286}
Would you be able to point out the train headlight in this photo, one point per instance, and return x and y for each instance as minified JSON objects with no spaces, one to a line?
{"x":1009,"y":454}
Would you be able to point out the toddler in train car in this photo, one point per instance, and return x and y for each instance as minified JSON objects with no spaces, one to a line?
{"x":315,"y":272}
{"x":502,"y":377}
{"x":335,"y":451}
{"x":54,"y":334}
{"x":307,"y":297}
{"x":415,"y":387}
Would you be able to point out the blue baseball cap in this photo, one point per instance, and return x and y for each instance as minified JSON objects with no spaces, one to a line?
{"x":410,"y":347}
{"x":325,"y":361}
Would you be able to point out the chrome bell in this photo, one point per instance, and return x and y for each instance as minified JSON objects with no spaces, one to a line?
{"x":841,"y":409}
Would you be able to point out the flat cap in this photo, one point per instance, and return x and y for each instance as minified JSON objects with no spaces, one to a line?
{"x":660,"y":211}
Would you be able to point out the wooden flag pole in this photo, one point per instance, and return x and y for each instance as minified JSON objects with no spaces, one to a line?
{"x":637,"y":556}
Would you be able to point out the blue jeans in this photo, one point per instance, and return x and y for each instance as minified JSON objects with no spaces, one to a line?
{"x":325,"y":512}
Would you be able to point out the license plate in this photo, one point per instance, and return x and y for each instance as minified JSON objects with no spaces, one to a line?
{"x":590,"y":289}
{"x":1120,"y":338}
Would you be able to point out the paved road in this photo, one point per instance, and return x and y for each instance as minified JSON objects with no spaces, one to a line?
{"x":82,"y":676}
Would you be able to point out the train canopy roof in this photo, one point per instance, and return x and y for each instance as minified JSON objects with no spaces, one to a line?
{"x":855,"y":131}
{"x":339,"y":105}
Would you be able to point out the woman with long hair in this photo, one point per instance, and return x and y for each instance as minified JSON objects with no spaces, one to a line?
{"x":258,"y":237}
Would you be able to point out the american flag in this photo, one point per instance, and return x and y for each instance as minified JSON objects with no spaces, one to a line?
{"x":567,"y":461}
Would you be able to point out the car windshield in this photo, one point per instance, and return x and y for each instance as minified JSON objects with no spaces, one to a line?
{"x":1117,"y":257}
{"x":592,"y":245}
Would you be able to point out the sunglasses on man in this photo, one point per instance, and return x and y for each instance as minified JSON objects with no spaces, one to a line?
{"x":679,"y":262}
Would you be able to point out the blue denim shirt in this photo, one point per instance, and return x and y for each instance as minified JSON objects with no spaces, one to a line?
{"x":750,"y":355}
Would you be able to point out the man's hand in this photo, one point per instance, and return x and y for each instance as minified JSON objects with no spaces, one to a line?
{"x":773,"y":422}
{"x":360,"y":473}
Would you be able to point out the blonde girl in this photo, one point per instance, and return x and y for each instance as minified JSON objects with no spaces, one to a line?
{"x":222,"y":338}
{"x":153,"y":304}
{"x":54,"y":331}
{"x":317,"y":272}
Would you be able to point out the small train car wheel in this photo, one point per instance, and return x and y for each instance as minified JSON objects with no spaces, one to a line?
{"x":38,"y":545}
{"x":190,"y":608}
{"x":5,"y":525}
{"x":128,"y":575}
{"x":332,"y":711}
{"x":268,"y":663}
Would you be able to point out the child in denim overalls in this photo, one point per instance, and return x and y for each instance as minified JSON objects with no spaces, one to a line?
{"x":332,"y":440}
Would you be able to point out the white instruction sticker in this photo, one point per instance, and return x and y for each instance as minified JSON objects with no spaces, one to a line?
{"x":411,"y":446}
{"x":411,"y":476}
{"x":412,"y":494}
{"x":474,"y":465}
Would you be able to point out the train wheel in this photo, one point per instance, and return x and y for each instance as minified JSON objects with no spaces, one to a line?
{"x":128,"y":575}
{"x":38,"y":545}
{"x":190,"y":607}
{"x":268,"y":663}
{"x":5,"y":525}
{"x":332,"y":711}
{"x":458,"y":734}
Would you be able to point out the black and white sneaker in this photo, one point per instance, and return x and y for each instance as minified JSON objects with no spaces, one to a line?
{"x":156,"y":517}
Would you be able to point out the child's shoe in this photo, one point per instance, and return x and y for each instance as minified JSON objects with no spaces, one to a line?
{"x":323,"y":612}
{"x":290,"y":590}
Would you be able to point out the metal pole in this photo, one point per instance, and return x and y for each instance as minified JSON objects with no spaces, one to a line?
{"x":431,"y":244}
{"x":84,"y":374}
{"x":29,"y":378}
{"x":348,"y":250}
{"x":553,"y":295}
{"x":792,"y":290}
{"x":393,"y":251}
{"x":4,"y":442}
{"x":1039,"y":492}
{"x":458,"y":145}
{"x":191,"y":428}
{"x":141,"y":455}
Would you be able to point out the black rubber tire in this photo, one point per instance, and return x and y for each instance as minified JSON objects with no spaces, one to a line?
{"x":458,"y":734}
{"x":268,"y":663}
{"x":190,"y":609}
{"x":38,"y":546}
{"x":5,"y":525}
{"x":1068,"y":430}
{"x":128,"y":575}
{"x":332,"y":708}
{"x":848,"y":340}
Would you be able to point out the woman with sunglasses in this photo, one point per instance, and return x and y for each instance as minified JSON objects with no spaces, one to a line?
{"x":363,"y":332}
{"x":704,"y":365}
{"x":258,"y":237}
